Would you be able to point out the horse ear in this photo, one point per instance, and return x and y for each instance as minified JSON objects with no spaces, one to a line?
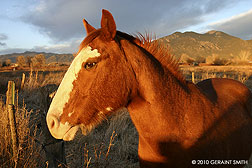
{"x":108,"y":25}
{"x":88,"y":27}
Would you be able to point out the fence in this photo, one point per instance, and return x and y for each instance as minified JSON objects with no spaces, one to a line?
{"x":10,"y":104}
{"x":54,"y":149}
{"x":197,"y":76}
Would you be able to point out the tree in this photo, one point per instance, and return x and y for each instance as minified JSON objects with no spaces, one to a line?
{"x":29,"y":61}
{"x":41,"y":59}
{"x":243,"y":57}
{"x":215,"y":59}
{"x":210,"y":59}
{"x":7,"y":62}
{"x":186,"y":59}
{"x":38,"y":60}
{"x":21,"y":61}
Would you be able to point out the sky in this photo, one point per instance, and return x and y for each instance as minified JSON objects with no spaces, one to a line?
{"x":56,"y":25}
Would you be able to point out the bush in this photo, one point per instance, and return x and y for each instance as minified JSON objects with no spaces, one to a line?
{"x":21,"y":61}
{"x":242,"y":58}
{"x":29,"y":152}
{"x":186,"y":59}
{"x":39,"y":60}
{"x":215,"y":59}
{"x":6,"y":63}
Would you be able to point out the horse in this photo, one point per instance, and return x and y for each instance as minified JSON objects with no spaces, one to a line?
{"x":179,"y":123}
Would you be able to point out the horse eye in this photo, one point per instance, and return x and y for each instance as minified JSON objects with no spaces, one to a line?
{"x":90,"y":65}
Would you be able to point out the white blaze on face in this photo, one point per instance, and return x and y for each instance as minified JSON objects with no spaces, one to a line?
{"x":59,"y":130}
{"x":63,"y":93}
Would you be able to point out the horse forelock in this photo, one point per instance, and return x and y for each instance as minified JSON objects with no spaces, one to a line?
{"x":90,"y":37}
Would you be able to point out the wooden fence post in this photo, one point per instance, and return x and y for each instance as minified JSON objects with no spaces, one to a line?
{"x":193,"y":77}
{"x":11,"y":110}
{"x":23,"y":81}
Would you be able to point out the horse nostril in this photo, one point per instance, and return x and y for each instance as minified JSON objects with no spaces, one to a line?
{"x":52,"y":124}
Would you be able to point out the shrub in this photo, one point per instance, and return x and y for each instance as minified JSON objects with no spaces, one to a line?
{"x":29,"y":152}
{"x":242,"y":58}
{"x":21,"y":61}
{"x":186,"y":59}
{"x":215,"y":59}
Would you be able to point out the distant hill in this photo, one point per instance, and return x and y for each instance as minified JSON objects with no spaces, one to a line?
{"x":189,"y":44}
{"x":50,"y":57}
{"x":199,"y":46}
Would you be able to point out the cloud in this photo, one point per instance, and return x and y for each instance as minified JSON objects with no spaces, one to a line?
{"x":3,"y":37}
{"x":61,"y":48}
{"x":61,"y":20}
{"x":12,"y":50}
{"x":70,"y":47}
{"x":239,"y":26}
{"x":2,"y":44}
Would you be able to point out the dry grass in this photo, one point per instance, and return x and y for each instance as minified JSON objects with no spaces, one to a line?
{"x":240,"y":73}
{"x":32,"y":103}
{"x":28,"y":150}
{"x":112,"y":144}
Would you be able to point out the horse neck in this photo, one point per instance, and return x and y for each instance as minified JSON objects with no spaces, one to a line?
{"x":157,"y":88}
{"x":162,"y":105}
{"x":155,"y":83}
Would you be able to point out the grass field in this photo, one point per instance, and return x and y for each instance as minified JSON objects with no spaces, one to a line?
{"x":112,"y":144}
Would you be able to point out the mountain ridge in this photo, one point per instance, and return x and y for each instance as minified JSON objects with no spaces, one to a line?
{"x":199,"y":46}
{"x":50,"y":57}
{"x":189,"y":44}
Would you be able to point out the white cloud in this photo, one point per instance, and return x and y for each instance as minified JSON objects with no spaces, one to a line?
{"x":2,"y":44}
{"x":61,"y":20}
{"x":3,"y":36}
{"x":239,"y":25}
{"x":12,"y":50}
{"x":61,"y":48}
{"x":67,"y":47}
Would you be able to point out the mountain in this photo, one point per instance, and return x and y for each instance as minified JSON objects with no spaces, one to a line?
{"x":199,"y":46}
{"x":186,"y":45}
{"x":50,"y":57}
